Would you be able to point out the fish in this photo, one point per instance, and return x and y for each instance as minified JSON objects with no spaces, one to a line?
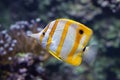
{"x":66,"y":40}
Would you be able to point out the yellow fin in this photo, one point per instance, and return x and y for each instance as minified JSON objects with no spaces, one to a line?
{"x":52,"y":53}
{"x":75,"y":61}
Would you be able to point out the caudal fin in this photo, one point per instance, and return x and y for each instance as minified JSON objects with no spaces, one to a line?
{"x":90,"y":54}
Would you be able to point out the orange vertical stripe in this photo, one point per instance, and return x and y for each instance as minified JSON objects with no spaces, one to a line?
{"x":76,"y":44}
{"x":64,"y":33}
{"x":51,"y":34}
{"x":45,"y":30}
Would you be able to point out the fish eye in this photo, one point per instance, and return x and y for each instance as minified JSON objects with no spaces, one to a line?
{"x":43,"y":33}
{"x":81,"y":31}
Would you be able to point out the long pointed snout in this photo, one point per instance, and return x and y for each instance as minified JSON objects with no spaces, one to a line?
{"x":34,"y":35}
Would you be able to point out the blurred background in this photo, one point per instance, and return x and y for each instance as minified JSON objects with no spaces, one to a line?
{"x":22,"y":58}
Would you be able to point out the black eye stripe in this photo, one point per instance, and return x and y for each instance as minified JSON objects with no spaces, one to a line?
{"x":81,"y":31}
{"x":43,"y":33}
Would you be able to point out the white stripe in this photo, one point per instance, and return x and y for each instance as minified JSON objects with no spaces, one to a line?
{"x":80,"y":47}
{"x":57,"y":35}
{"x":69,"y":41}
{"x":45,"y":38}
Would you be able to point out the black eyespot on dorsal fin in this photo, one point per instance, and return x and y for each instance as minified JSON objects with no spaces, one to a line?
{"x":81,"y":31}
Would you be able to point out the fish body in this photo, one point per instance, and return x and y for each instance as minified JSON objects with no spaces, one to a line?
{"x":65,"y":39}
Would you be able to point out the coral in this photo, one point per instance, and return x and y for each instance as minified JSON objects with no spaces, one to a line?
{"x":16,"y":40}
